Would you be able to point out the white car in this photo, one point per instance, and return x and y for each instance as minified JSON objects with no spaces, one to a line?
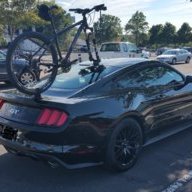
{"x":173,"y":56}
{"x":110,"y":50}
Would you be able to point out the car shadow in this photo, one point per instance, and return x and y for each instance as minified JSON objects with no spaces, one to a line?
{"x":159,"y":165}
{"x":181,"y":63}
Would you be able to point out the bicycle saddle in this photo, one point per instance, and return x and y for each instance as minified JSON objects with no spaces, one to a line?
{"x":44,"y":11}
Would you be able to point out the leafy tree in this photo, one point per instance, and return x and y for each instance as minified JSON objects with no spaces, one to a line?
{"x":155,"y":34}
{"x":12,"y":10}
{"x":108,"y":28}
{"x":23,"y":14}
{"x":144,"y":39}
{"x":137,"y":25}
{"x":61,"y":19}
{"x":168,"y":34}
{"x":184,"y":34}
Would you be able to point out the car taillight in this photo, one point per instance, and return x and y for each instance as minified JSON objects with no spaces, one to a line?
{"x":52,"y":117}
{"x":1,"y":103}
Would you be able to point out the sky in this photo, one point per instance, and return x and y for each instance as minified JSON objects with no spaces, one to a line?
{"x":156,"y":11}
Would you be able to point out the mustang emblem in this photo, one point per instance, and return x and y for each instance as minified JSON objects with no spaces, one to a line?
{"x":14,"y":111}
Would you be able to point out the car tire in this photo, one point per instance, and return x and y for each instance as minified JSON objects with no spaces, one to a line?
{"x":174,"y":61}
{"x":124,"y":145}
{"x":27,"y":77}
{"x":188,"y":60}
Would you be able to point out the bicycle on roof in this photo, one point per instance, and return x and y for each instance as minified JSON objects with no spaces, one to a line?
{"x":43,"y":57}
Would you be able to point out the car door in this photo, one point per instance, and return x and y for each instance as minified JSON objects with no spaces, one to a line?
{"x":185,"y":55}
{"x":168,"y":102}
{"x":165,"y":103}
{"x":157,"y":93}
{"x":179,"y":56}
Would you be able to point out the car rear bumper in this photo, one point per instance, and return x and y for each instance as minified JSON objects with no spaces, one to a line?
{"x":69,"y":156}
{"x":4,"y":77}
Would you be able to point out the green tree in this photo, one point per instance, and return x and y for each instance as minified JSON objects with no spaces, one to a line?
{"x":137,"y":26}
{"x":184,"y":34}
{"x":61,"y":19}
{"x":108,"y":28}
{"x":155,"y":34}
{"x":168,"y":34}
{"x":12,"y":10}
{"x":15,"y":15}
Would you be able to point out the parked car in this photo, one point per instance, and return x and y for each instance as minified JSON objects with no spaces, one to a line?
{"x":21,"y":67}
{"x":110,"y":50}
{"x":106,"y":115}
{"x":173,"y":56}
{"x":188,"y":49}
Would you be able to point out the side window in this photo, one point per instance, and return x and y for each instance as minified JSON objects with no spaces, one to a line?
{"x":149,"y":76}
{"x":133,"y":48}
{"x":2,"y":57}
{"x":159,"y":76}
{"x":125,"y":47}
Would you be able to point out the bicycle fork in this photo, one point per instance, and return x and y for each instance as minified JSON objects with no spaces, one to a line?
{"x":97,"y":60}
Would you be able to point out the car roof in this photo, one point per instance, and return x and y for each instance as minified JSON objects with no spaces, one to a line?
{"x":176,"y":49}
{"x":117,"y":42}
{"x":117,"y":62}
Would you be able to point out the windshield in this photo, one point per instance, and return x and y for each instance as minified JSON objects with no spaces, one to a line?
{"x":170,"y":53}
{"x":110,"y":47}
{"x":2,"y":56}
{"x":79,"y":77}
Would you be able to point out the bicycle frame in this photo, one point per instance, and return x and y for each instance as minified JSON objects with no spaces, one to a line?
{"x":82,"y":26}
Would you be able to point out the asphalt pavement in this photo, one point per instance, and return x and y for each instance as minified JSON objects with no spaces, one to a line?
{"x":165,"y":166}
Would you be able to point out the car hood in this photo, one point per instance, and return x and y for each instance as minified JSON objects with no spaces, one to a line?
{"x":165,"y":56}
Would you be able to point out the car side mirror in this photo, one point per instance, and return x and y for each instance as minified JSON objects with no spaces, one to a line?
{"x":188,"y":79}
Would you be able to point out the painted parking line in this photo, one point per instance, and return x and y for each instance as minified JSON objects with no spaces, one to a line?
{"x":179,"y":183}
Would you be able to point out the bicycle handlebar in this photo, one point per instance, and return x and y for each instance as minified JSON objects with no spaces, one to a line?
{"x":100,"y":7}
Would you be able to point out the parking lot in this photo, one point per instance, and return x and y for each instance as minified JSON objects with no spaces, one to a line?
{"x":163,"y":166}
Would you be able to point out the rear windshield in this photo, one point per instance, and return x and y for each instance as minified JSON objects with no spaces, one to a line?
{"x":79,"y":77}
{"x":110,"y":47}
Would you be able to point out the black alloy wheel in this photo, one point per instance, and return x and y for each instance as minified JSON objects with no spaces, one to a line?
{"x":124,"y":145}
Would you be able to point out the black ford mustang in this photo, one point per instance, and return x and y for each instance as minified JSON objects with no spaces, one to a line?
{"x":91,"y":117}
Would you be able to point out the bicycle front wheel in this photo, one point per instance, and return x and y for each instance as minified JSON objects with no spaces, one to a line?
{"x":34,"y":53}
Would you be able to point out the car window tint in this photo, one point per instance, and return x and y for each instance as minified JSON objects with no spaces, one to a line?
{"x":79,"y":77}
{"x":125,"y":48}
{"x":150,"y":76}
{"x":2,"y":56}
{"x":156,"y":76}
{"x":132,"y":47}
{"x":111,"y":47}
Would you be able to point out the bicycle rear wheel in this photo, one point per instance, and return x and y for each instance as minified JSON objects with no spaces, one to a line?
{"x":34,"y":53}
